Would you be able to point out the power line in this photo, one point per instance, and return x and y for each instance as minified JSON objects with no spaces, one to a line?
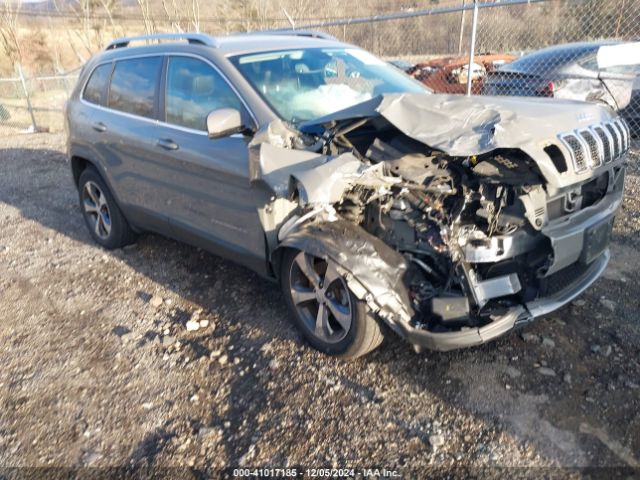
{"x":126,"y":17}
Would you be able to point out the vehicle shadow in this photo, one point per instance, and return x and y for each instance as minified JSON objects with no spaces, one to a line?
{"x":38,"y":184}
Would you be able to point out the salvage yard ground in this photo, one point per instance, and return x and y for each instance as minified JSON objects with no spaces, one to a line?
{"x":98,"y":368}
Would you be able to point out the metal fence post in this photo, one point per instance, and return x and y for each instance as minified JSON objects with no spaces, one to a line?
{"x":26,"y":94}
{"x":63,"y":77}
{"x":472,"y":47}
{"x":461,"y":30}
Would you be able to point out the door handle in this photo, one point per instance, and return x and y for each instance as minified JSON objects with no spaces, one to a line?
{"x":167,"y":144}
{"x":99,"y":127}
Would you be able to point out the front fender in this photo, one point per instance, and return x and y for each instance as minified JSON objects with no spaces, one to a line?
{"x":373,"y":270}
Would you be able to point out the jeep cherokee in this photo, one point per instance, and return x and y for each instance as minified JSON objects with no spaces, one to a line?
{"x":372,"y":201}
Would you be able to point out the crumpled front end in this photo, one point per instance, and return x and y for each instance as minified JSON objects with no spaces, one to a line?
{"x":449,"y":247}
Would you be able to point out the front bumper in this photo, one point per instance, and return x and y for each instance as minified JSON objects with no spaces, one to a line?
{"x":567,"y":236}
{"x":569,"y":271}
{"x":514,"y":317}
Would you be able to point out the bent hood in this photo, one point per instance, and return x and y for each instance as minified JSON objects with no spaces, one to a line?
{"x":464,"y":126}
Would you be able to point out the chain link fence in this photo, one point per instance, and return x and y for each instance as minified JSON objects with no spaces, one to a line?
{"x":576,"y":50}
{"x":435,"y":45}
{"x":34,"y":104}
{"x":571,"y":49}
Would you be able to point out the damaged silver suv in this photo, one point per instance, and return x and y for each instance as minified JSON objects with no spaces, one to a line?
{"x":450,"y":220}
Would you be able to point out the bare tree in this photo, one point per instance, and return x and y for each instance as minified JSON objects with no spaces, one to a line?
{"x":89,"y":24}
{"x":174,"y":14}
{"x":9,"y":32}
{"x":147,"y":18}
{"x":254,"y":14}
{"x":182,"y":14}
{"x":110,"y":7}
{"x":70,"y":36}
{"x":195,"y":15}
{"x":295,"y":10}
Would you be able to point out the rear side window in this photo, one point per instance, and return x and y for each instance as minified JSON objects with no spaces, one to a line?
{"x":194,"y":89}
{"x":589,"y":63}
{"x":97,"y":84}
{"x":134,"y":84}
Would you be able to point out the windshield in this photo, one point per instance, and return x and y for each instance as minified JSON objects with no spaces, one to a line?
{"x":304,"y":84}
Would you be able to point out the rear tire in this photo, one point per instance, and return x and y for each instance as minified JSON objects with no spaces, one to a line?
{"x":324,"y":309}
{"x":104,"y":219}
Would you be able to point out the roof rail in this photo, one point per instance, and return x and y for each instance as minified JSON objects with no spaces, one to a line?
{"x":193,"y":38}
{"x":296,"y":33}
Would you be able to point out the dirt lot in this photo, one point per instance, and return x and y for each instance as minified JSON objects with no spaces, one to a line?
{"x":99,"y":370}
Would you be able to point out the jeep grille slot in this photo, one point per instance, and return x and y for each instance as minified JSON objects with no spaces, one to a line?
{"x":623,"y":136}
{"x":556,"y":156}
{"x":616,"y":140}
{"x":594,"y":150}
{"x":579,"y":160}
{"x":604,"y":138}
{"x":627,"y":133}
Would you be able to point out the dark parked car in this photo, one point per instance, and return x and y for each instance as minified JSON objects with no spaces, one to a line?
{"x":448,"y":219}
{"x":592,"y":71}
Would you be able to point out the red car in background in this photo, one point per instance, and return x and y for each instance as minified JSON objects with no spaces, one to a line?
{"x":449,"y":74}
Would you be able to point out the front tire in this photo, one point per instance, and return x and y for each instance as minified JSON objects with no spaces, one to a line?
{"x":105,"y":222}
{"x":324,"y":309}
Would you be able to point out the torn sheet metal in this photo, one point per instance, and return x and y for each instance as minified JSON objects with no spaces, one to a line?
{"x":375,"y":271}
{"x":322,"y":179}
{"x":457,"y":127}
{"x":327,"y":183}
{"x":276,"y":133}
{"x":463,"y":126}
{"x":276,"y":165}
{"x":276,"y":152}
{"x":484,"y":290}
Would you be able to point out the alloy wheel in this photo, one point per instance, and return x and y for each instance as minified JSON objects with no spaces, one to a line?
{"x":321,"y":297}
{"x":96,"y":209}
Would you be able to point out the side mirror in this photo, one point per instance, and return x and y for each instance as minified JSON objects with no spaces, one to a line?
{"x":224,"y":122}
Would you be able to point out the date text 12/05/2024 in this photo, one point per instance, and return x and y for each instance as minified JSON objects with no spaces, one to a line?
{"x":316,"y":473}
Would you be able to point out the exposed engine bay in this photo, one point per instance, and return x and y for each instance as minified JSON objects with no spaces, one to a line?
{"x":439,"y":211}
{"x":465,"y":234}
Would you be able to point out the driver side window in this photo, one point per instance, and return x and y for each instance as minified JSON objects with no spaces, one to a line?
{"x":194,"y":89}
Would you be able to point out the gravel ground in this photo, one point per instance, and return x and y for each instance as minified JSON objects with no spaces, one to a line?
{"x":98,"y":368}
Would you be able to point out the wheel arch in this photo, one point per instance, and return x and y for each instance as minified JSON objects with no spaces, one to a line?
{"x":276,"y":258}
{"x":80,"y":160}
{"x":373,"y":270}
{"x":78,"y":165}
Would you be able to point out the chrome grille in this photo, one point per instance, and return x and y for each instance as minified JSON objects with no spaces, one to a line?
{"x":616,"y":140}
{"x":593,"y":148}
{"x":575,"y":145}
{"x":598,"y":144}
{"x":627,"y":132}
{"x":623,"y":135}
{"x":606,"y":144}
